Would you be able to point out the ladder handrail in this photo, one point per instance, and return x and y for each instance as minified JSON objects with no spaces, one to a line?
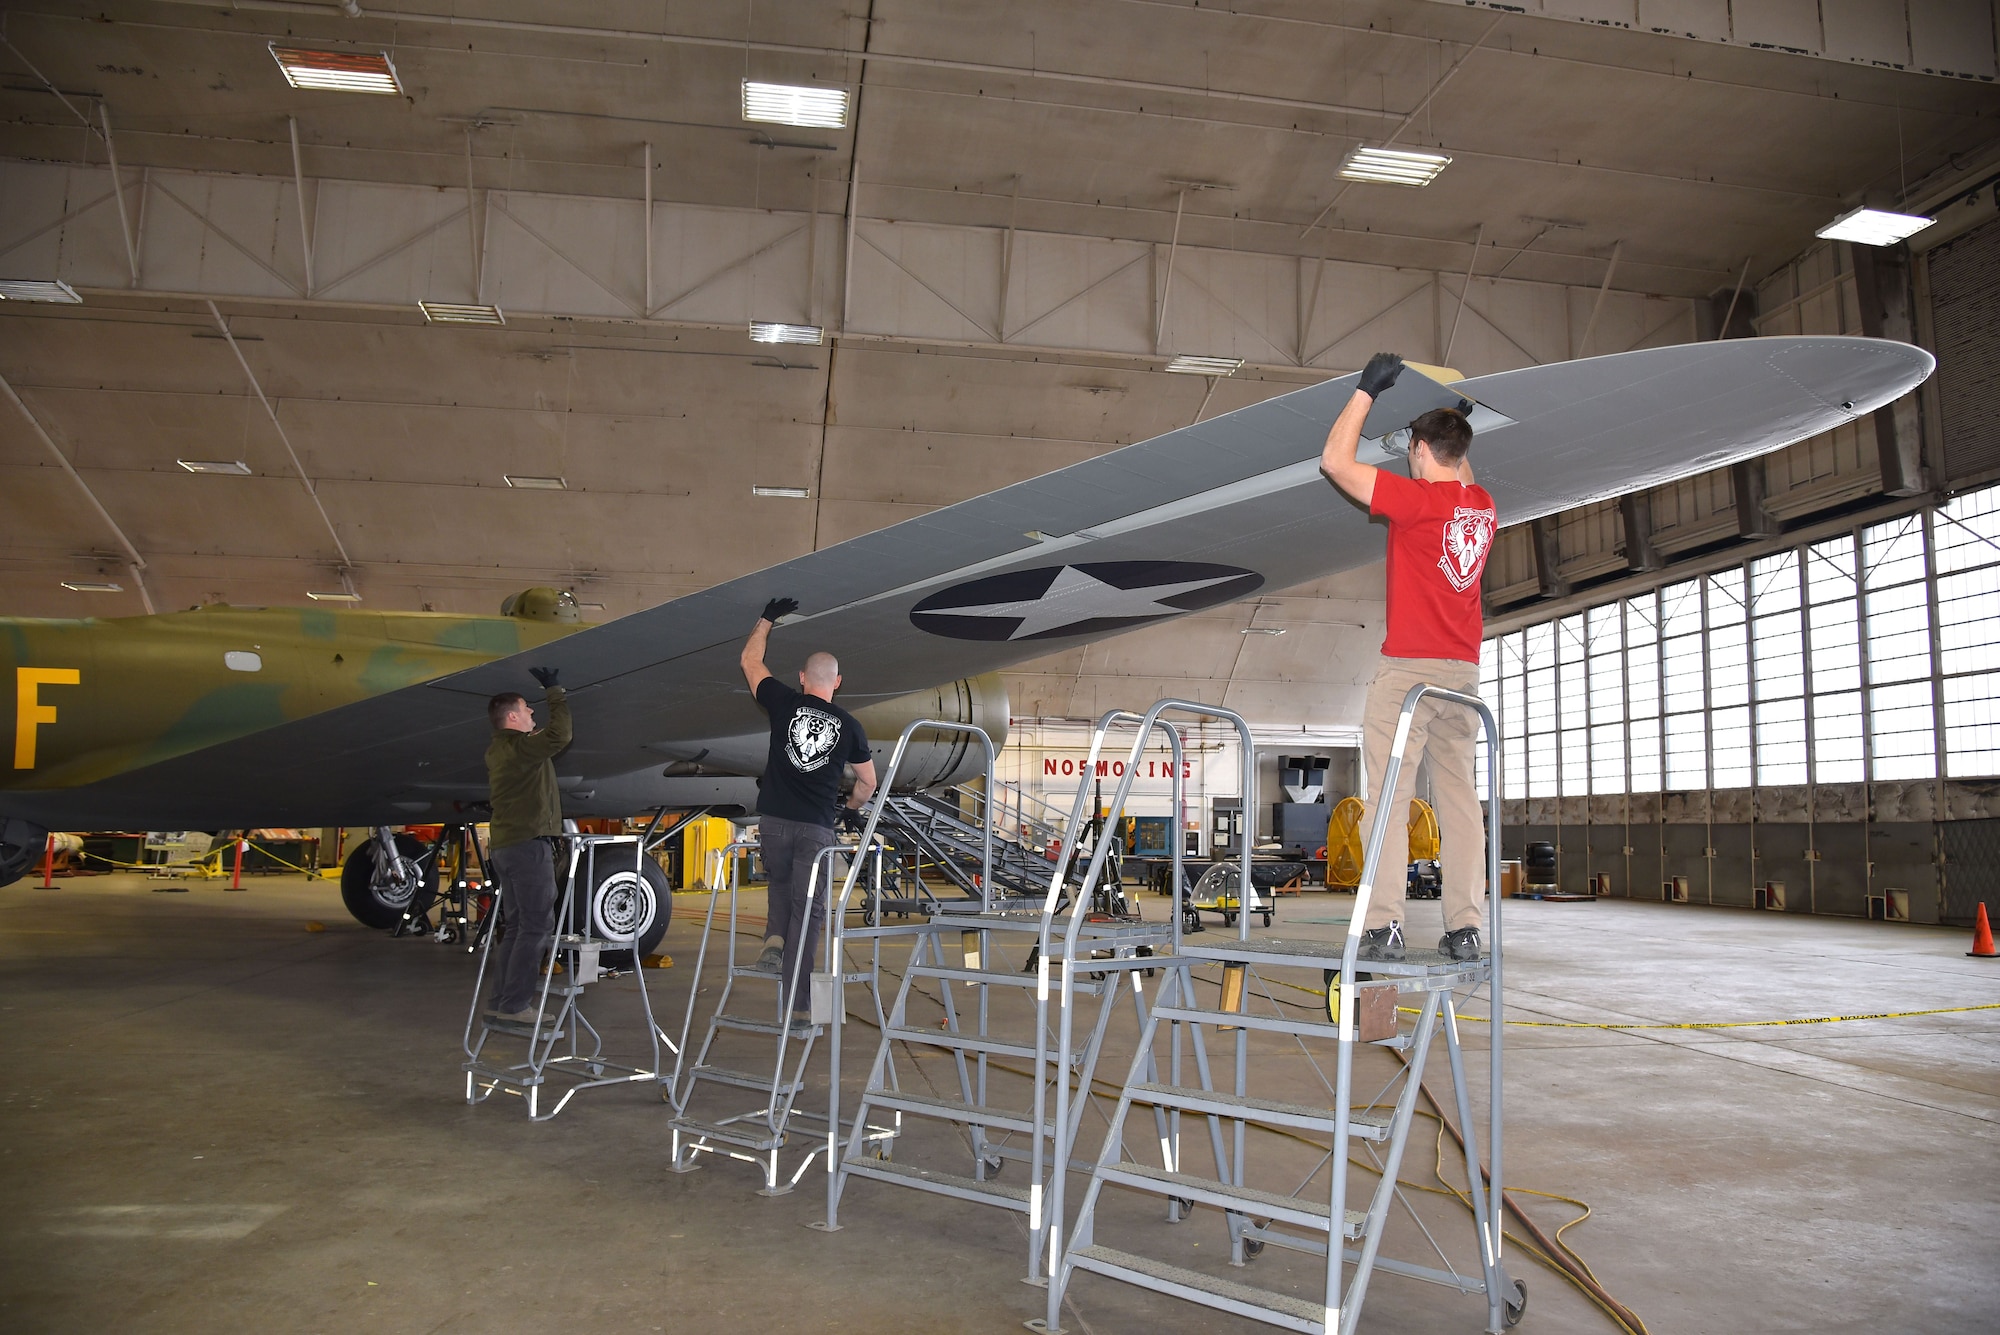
{"x":1384,"y":796}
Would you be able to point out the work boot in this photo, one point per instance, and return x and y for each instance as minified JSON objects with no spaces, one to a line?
{"x":771,"y":960}
{"x":526,"y":1015}
{"x":1383,"y":943}
{"x":1462,"y":944}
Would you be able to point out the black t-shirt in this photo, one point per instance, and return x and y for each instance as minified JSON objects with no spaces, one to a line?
{"x":812,"y":742}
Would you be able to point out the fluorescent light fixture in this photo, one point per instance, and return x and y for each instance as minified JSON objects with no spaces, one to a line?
{"x":38,"y":289}
{"x":233,"y":467}
{"x":535,"y":483}
{"x":453,"y":312}
{"x":795,"y":104}
{"x":1205,"y":365}
{"x":1393,"y":166}
{"x":766,"y":331}
{"x":1873,"y":227}
{"x":337,"y":71}
{"x":93,"y":586}
{"x":787,"y":493}
{"x":334,"y":596}
{"x":1264,"y":630}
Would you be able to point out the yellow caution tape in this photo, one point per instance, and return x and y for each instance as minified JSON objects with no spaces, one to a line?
{"x":1728,"y":1024}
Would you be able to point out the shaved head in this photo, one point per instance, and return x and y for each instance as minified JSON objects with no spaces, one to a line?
{"x":822,"y":671}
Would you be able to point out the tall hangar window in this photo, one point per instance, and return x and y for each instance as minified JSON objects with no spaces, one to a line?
{"x":1870,"y":655}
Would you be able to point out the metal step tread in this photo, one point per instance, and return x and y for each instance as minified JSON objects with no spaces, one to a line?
{"x":744,"y":1135}
{"x":977,"y":977}
{"x":945,"y":1038}
{"x":1301,"y":1024}
{"x":944,"y":1184}
{"x":1271,"y":950}
{"x":744,"y":1024}
{"x":1363,"y":1124}
{"x":525,"y":1028}
{"x":953,"y":1110}
{"x":723,"y":1075}
{"x":1292,"y":1313}
{"x":1291,"y":1209}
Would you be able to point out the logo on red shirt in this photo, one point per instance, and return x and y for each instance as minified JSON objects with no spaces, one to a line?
{"x":1468,"y":535}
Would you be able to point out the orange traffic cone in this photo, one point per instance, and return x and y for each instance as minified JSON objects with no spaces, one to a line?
{"x":1982,"y":937}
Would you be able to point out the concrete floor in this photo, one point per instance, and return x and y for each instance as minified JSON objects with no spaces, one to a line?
{"x":213,"y":1119}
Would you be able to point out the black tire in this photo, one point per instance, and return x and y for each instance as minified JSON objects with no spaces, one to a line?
{"x":379,"y":906}
{"x":611,"y":906}
{"x":1518,"y":1304}
{"x":21,"y":846}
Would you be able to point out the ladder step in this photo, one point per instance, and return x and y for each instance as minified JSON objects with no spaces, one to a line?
{"x":1417,"y":961}
{"x":524,"y":1029}
{"x":977,"y":976}
{"x":743,"y":1135}
{"x":1278,"y":1309}
{"x":944,"y":1038}
{"x":951,"y":1110}
{"x":941,"y":1184}
{"x":1363,"y":1124}
{"x":1285,"y":1209}
{"x":744,"y":1024}
{"x":1276,"y":1024}
{"x":722,"y":1075}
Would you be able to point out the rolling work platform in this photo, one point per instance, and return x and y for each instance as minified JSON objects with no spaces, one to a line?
{"x":772,"y":1079}
{"x":561,"y":1043}
{"x":1281,"y":1212}
{"x":931,"y":830}
{"x":1001,"y":1019}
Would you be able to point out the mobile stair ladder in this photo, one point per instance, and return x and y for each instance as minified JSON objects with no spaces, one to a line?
{"x":761,"y":1133}
{"x":1303,"y":1217}
{"x":1070,"y":954}
{"x":561,"y":1043}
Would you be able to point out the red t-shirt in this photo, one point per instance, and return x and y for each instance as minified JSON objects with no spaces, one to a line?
{"x":1439,"y":535}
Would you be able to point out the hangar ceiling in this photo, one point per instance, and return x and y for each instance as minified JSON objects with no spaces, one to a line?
{"x":1608,"y":187}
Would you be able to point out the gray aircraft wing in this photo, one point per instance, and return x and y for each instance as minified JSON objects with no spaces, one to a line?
{"x":1200,"y":516}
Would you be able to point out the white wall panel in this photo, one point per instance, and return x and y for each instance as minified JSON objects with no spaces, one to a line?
{"x":1953,"y":37}
{"x":584,"y":257}
{"x":1945,"y":37}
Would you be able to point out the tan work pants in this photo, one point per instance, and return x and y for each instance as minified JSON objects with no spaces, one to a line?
{"x":1446,"y":733}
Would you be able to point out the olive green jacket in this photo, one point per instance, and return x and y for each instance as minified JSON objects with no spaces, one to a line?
{"x":521,"y":777}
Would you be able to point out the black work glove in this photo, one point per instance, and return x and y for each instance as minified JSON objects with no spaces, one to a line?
{"x":1379,"y":374}
{"x":780,"y":607}
{"x":853,"y":818}
{"x":546,"y":676}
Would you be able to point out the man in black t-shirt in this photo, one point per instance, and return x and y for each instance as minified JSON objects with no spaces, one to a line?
{"x":813,"y":740}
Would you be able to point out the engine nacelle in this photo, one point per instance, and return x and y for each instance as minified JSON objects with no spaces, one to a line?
{"x":934,"y":758}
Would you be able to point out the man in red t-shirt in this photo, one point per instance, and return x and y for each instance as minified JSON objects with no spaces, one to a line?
{"x":1440,"y":529}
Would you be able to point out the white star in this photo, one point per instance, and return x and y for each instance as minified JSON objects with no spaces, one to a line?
{"x":1076,"y":597}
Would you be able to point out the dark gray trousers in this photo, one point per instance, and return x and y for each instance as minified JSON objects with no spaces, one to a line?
{"x":789,"y":848}
{"x":527,"y":873}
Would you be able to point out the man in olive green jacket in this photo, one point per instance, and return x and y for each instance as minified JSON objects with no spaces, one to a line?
{"x":527,"y":817}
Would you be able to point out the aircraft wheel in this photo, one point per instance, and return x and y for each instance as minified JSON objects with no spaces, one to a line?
{"x":375,"y":900}
{"x":21,"y":846}
{"x":622,"y":906}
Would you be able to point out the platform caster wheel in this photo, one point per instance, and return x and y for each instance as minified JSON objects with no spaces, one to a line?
{"x":1183,"y":1204}
{"x":1252,"y":1248}
{"x":992,"y":1168}
{"x":1228,"y":920}
{"x":1267,"y":920}
{"x":1517,"y":1304}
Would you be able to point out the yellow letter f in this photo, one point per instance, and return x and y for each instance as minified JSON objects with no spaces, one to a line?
{"x":31,"y":712}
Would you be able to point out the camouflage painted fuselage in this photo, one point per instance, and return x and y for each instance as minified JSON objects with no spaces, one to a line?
{"x":96,"y":698}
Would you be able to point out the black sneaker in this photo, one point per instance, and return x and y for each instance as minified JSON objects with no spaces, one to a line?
{"x":1384,"y":944}
{"x":1462,"y":944}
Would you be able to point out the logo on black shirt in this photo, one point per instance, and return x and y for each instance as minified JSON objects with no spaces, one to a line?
{"x":810,"y":738}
